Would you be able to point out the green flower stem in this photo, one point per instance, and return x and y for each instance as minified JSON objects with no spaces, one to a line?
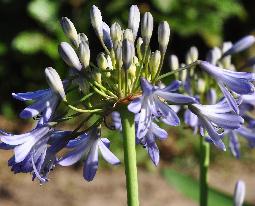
{"x":128,"y":125}
{"x":178,"y":70}
{"x":84,"y":110}
{"x":204,"y":164}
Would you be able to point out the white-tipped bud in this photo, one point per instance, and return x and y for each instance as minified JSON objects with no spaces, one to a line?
{"x":116,"y":33}
{"x":173,"y":62}
{"x":134,"y":20}
{"x":98,"y":77}
{"x":69,"y":56}
{"x":118,"y":53}
{"x":192,"y":55}
{"x":128,"y":34}
{"x":109,"y":62}
{"x":147,"y":27}
{"x":201,"y":86}
{"x":102,"y":61}
{"x":55,"y":82}
{"x":242,"y":44}
{"x":69,"y":30}
{"x":138,"y":47}
{"x":97,"y":21}
{"x":163,"y":36}
{"x":84,"y":54}
{"x":127,"y":53}
{"x":239,"y":193}
{"x":83,"y":38}
{"x":154,"y":62}
{"x":226,"y":61}
{"x":213,"y":55}
{"x":132,"y":71}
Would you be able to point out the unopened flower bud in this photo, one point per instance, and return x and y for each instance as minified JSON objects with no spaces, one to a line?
{"x":55,"y":82}
{"x":98,"y":77}
{"x":127,"y":53}
{"x":132,"y":71}
{"x":102,"y":61}
{"x":84,"y":54}
{"x":116,"y":33}
{"x":128,"y":34}
{"x":163,"y":36}
{"x":239,"y":193}
{"x":147,"y":27}
{"x":118,"y":53}
{"x":213,"y":55}
{"x":138,"y":47}
{"x":201,"y":86}
{"x":69,"y":30}
{"x":174,"y":62}
{"x":226,"y":61}
{"x":240,"y":45}
{"x":109,"y":62}
{"x":107,"y":36}
{"x":134,"y":20}
{"x":154,"y":62}
{"x":192,"y":55}
{"x":69,"y":56}
{"x":96,"y":20}
{"x":83,"y":38}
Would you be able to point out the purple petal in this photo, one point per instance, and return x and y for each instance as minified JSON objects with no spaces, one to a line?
{"x":159,"y":132}
{"x":135,"y":105}
{"x":153,"y":152}
{"x":172,"y":87}
{"x":230,"y":99}
{"x":175,"y":97}
{"x":91,"y":164}
{"x":107,"y":154}
{"x":146,"y":86}
{"x":240,"y":45}
{"x":31,"y":95}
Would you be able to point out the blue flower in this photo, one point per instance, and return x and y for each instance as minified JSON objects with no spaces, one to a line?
{"x":216,"y":117}
{"x":238,"y":82}
{"x":88,"y":145}
{"x":151,"y":105}
{"x":31,"y":151}
{"x":234,"y":144}
{"x":149,"y":141}
{"x":45,"y":103}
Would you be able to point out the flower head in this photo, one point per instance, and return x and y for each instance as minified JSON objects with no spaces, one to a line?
{"x":88,"y":145}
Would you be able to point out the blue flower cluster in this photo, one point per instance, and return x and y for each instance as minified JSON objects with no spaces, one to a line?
{"x":128,"y":74}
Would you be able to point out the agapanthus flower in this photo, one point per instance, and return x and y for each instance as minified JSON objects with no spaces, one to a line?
{"x":88,"y":145}
{"x":45,"y":101}
{"x":149,"y":141}
{"x":239,"y":193}
{"x":31,"y":151}
{"x":238,"y":82}
{"x":213,"y":118}
{"x":151,"y":105}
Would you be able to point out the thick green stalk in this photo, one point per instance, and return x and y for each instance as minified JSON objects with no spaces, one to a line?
{"x":127,"y":120}
{"x":204,"y":164}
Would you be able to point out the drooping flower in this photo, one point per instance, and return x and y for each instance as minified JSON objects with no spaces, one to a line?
{"x":240,"y":45}
{"x":150,"y":105}
{"x":31,"y":151}
{"x":213,"y":118}
{"x":149,"y":141}
{"x":238,"y":82}
{"x":88,"y":145}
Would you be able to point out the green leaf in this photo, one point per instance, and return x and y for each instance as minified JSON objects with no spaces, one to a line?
{"x":43,"y":10}
{"x":30,"y":42}
{"x":165,"y":6}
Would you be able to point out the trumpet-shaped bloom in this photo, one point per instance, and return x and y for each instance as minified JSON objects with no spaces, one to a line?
{"x":213,"y":118}
{"x":238,"y":82}
{"x":88,"y":145}
{"x":149,"y":141}
{"x":151,"y":105}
